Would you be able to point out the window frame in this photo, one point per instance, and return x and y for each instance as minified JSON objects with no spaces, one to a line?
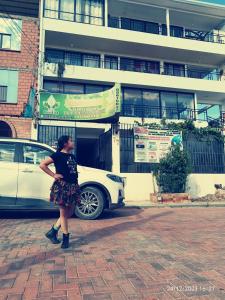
{"x":21,"y":151}
{"x":16,"y":153}
{"x":4,"y":100}
{"x":1,"y":40}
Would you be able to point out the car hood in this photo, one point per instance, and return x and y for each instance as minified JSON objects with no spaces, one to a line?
{"x":92,"y":170}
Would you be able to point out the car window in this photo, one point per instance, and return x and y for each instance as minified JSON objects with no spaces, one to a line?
{"x":34,"y":154}
{"x":7,"y":152}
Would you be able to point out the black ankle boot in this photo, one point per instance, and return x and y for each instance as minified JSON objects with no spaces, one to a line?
{"x":52,"y":236}
{"x":65,"y":242}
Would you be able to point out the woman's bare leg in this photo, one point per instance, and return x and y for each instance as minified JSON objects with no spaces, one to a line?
{"x":63,"y":219}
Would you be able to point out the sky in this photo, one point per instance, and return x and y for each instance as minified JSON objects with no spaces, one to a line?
{"x":215,"y":1}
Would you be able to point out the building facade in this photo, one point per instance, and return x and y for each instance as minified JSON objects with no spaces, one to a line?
{"x":19,"y":40}
{"x":168,"y":56}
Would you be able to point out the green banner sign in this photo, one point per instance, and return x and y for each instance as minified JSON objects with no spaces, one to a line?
{"x":81,"y":107}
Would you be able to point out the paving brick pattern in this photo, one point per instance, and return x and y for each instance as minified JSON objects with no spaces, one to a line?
{"x":129,"y":254}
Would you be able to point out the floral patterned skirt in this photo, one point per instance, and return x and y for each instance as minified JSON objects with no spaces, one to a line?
{"x":64,"y":193}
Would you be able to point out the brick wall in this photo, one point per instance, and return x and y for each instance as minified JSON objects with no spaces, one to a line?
{"x":26,"y":63}
{"x":20,"y":127}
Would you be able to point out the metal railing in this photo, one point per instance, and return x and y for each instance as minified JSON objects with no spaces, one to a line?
{"x":174,"y":113}
{"x":140,"y":66}
{"x":160,"y":29}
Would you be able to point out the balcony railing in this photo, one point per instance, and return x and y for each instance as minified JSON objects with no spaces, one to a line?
{"x":161,"y":29}
{"x":140,"y":66}
{"x":175,"y":113}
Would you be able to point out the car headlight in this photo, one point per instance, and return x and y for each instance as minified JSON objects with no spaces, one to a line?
{"x":115,"y":178}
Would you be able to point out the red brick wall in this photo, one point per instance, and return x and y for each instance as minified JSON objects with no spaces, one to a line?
{"x":20,"y":127}
{"x":26,"y":59}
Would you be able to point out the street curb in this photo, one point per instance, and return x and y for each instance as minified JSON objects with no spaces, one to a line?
{"x":172,"y":205}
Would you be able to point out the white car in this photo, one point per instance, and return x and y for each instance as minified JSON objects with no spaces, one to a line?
{"x":23,"y":185}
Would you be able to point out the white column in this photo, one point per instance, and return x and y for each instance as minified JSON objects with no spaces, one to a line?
{"x":168,"y":21}
{"x":106,"y":7}
{"x":116,"y":153}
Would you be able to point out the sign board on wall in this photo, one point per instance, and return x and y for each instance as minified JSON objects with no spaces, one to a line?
{"x":82,"y":107}
{"x":151,"y":145}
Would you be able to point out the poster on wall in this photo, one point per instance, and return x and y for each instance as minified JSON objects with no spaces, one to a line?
{"x":150,"y":145}
{"x":81,"y":107}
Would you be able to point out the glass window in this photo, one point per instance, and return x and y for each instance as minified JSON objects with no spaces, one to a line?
{"x":185,"y":104}
{"x":135,"y":25}
{"x":67,"y":10}
{"x":34,"y":154}
{"x":140,"y":66}
{"x":151,"y":104}
{"x":73,"y":58}
{"x":51,"y":9}
{"x":209,"y":112}
{"x":54,"y":56}
{"x":73,"y":88}
{"x":132,"y":102}
{"x":7,"y":152}
{"x":169,"y":105}
{"x":90,"y":11}
{"x":174,"y":69}
{"x":153,"y":67}
{"x":91,"y":89}
{"x":127,"y":64}
{"x":3,"y":93}
{"x":176,"y":31}
{"x":52,"y":86}
{"x":5,"y":41}
{"x":152,"y":27}
{"x":91,"y":60}
{"x":111,"y":62}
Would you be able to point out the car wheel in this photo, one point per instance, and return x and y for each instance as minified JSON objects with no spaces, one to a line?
{"x":91,"y":205}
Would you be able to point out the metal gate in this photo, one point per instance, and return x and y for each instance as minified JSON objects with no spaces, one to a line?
{"x":50,"y":134}
{"x":105,"y":151}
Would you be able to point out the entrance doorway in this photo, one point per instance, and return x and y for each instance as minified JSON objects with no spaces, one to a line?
{"x":94,"y":148}
{"x":5,"y":130}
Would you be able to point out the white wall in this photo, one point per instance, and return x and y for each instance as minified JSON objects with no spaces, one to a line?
{"x":139,"y":186}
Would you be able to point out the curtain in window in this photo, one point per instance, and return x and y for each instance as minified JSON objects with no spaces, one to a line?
{"x":51,"y":9}
{"x":90,"y":11}
{"x":90,"y":60}
{"x":67,"y":10}
{"x":111,"y":62}
{"x":96,"y":12}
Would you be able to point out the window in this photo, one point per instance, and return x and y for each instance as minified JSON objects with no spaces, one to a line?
{"x":3,"y":93}
{"x":8,"y":86}
{"x":134,"y":25}
{"x":151,"y":104}
{"x":207,"y":112}
{"x":185,"y":103}
{"x":34,"y":154}
{"x":111,"y":62}
{"x":7,"y":152}
{"x":176,"y":31}
{"x":67,"y":10}
{"x":91,"y":89}
{"x":73,"y":58}
{"x":54,"y":56}
{"x":132,"y":102}
{"x":51,"y":9}
{"x":73,"y":88}
{"x":91,"y":60}
{"x":5,"y":41}
{"x":169,"y":103}
{"x":10,"y":33}
{"x":152,"y":27}
{"x":174,"y":69}
{"x":52,"y":86}
{"x":90,"y":11}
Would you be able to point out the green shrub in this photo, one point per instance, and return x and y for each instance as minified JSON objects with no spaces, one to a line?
{"x":172,"y":171}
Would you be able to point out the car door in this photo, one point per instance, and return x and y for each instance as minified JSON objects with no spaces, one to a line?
{"x":33,"y":184}
{"x":8,"y":173}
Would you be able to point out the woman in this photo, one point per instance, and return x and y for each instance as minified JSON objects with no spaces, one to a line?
{"x":65,"y":190}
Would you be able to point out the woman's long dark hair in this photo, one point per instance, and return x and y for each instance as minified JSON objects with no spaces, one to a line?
{"x":62,"y":141}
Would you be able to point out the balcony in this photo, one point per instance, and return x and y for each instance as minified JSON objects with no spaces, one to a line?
{"x":161,"y":29}
{"x":69,"y":60}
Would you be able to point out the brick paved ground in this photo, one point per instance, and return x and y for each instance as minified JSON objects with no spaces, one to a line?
{"x":129,"y":254}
